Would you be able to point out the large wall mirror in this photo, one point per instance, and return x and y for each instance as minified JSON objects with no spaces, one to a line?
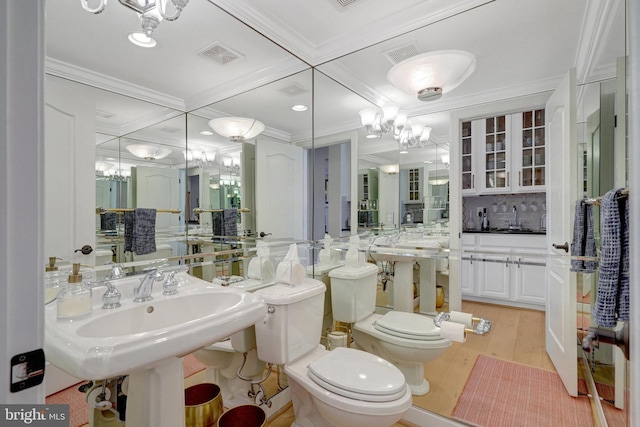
{"x":313,"y":171}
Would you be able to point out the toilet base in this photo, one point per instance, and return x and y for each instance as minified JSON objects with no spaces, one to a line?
{"x":414,"y":375}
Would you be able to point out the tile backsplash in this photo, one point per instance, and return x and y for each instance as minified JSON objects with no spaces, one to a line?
{"x":530,"y":209}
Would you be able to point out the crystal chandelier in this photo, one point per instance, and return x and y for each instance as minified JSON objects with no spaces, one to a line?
{"x":392,"y":121}
{"x":150,"y":12}
{"x":200,"y":159}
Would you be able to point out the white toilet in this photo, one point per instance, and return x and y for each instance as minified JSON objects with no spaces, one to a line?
{"x":344,"y":387}
{"x":408,"y":340}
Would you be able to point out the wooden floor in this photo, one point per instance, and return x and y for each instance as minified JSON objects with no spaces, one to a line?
{"x":517,"y":335}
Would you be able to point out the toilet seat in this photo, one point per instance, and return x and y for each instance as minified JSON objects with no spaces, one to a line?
{"x":408,"y":325}
{"x":359,"y":375}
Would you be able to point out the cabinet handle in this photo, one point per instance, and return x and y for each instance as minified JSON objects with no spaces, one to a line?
{"x":518,"y":263}
{"x":473,"y":181}
{"x":506,"y":264}
{"x":471,"y":260}
{"x":507,"y":179}
{"x":519,"y":179}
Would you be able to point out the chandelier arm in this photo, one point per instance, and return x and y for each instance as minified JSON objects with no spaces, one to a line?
{"x":178,"y":6}
{"x":101,"y":6}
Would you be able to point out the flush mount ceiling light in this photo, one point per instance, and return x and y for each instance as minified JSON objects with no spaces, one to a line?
{"x":103,"y":166}
{"x":150,"y":12}
{"x":431,"y":74}
{"x":299,"y":107}
{"x":148,"y":151}
{"x":390,"y":169}
{"x":237,"y":129}
{"x":393,"y":121}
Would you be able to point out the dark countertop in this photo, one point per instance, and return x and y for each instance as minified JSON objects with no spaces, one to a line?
{"x":506,"y":231}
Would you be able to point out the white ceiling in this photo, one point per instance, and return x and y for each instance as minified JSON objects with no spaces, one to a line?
{"x":521,"y":47}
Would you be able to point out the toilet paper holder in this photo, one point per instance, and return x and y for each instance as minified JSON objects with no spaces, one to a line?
{"x":474,"y":325}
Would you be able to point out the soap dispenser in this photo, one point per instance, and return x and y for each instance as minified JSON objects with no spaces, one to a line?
{"x":74,"y":301}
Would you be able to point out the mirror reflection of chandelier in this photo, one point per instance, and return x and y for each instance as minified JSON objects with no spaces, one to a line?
{"x":150,"y":13}
{"x":393,"y":121}
{"x":148,"y":151}
{"x":237,"y":129}
{"x":199,"y":158}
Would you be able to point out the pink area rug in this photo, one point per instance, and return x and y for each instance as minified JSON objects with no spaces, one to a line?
{"x":499,"y":393}
{"x":78,"y":406}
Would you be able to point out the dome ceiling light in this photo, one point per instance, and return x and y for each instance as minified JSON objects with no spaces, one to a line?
{"x":236,"y":129}
{"x":432,"y":74}
{"x":148,"y":151}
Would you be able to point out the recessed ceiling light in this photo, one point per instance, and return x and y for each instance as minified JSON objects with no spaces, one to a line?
{"x":142,"y":40}
{"x":206,"y":132}
{"x":299,"y":107}
{"x":372,"y":136}
{"x":428,"y":161}
{"x":404,"y":152}
{"x":110,"y":158}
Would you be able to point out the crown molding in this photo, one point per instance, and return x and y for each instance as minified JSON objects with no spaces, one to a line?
{"x":597,"y":22}
{"x":102,"y":81}
{"x":375,"y":32}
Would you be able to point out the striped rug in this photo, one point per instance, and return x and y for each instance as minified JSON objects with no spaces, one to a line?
{"x":78,"y":406}
{"x":506,"y":394}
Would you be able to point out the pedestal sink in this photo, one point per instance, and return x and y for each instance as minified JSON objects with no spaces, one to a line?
{"x":404,"y":253}
{"x":148,"y":340}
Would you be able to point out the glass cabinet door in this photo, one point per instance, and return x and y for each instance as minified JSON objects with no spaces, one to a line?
{"x":533,"y":158}
{"x":468,"y":178}
{"x":496,"y":173}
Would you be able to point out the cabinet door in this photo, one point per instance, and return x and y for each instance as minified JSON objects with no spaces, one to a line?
{"x":526,"y":276}
{"x":495,"y":166}
{"x":468,"y":277}
{"x":529,"y":150}
{"x":468,"y":150}
{"x":494,"y":277}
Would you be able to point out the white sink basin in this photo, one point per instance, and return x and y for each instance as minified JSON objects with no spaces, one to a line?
{"x":403,"y":251}
{"x":136,"y":336}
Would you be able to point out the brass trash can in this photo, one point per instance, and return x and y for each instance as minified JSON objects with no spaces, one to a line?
{"x":243,"y":416}
{"x":203,"y":405}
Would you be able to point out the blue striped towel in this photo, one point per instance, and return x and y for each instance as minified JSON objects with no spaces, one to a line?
{"x":584,"y":242}
{"x":612,"y":301}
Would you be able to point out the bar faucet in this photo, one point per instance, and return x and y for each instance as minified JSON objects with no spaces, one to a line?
{"x":142,"y":292}
{"x":515,"y":217}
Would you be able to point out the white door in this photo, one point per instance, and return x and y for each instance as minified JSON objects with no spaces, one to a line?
{"x":69,"y":173}
{"x":280,"y":189}
{"x":561,"y":178}
{"x":159,"y":188}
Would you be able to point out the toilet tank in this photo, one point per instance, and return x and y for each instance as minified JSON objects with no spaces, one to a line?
{"x":353,"y":292}
{"x":294,"y":325}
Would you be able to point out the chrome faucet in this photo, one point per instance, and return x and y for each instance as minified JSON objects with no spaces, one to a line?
{"x":142,"y":292}
{"x":515,"y":217}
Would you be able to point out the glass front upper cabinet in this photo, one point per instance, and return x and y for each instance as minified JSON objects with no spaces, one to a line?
{"x":532,"y":170}
{"x":496,"y":149}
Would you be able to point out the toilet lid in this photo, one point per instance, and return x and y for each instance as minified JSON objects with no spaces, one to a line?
{"x":358,"y":375}
{"x":408,"y":325}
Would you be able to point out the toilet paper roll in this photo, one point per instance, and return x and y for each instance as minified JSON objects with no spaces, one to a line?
{"x":460,"y":317}
{"x":337,"y":339}
{"x":453,"y":331}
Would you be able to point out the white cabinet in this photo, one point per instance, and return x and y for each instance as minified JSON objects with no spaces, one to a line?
{"x":504,"y":269}
{"x":503,"y":154}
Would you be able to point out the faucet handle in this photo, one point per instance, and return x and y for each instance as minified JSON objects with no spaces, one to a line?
{"x":111,"y":297}
{"x":117,"y":271}
{"x":170,"y":286}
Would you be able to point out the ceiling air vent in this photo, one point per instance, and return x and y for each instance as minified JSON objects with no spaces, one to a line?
{"x":220,"y":53}
{"x":341,"y":5}
{"x":293,"y":90}
{"x":399,"y":54}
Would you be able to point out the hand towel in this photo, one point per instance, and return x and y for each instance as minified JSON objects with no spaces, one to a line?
{"x":144,"y":231}
{"x":230,"y":222}
{"x":216,"y":223}
{"x":612,"y":300}
{"x":128,"y":230}
{"x":584,"y":242}
{"x":108,"y":221}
